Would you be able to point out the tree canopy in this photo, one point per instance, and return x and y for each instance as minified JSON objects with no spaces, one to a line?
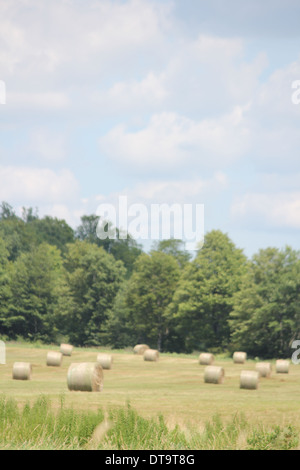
{"x":203,"y":299}
{"x":59,"y":282}
{"x":265,"y":319}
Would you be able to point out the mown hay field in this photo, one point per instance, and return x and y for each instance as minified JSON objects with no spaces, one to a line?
{"x":173,"y":386}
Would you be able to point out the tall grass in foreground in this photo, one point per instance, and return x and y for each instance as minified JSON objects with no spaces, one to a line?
{"x":40,"y":426}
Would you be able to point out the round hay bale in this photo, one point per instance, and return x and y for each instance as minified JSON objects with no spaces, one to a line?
{"x":66,"y":349}
{"x":21,"y":371}
{"x":140,"y":349}
{"x":264,"y":369}
{"x":214,"y":375}
{"x":206,"y":359}
{"x":105,"y":360}
{"x":249,"y":379}
{"x":54,"y":359}
{"x":151,"y":355}
{"x":239,"y":357}
{"x":282,"y":366}
{"x":85,"y":377}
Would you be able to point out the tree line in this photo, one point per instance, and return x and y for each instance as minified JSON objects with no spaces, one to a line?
{"x":58,"y":284}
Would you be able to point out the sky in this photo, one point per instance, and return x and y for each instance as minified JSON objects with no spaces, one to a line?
{"x":164,"y":102}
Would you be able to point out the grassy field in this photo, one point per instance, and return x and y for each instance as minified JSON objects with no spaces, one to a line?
{"x":173,"y":387}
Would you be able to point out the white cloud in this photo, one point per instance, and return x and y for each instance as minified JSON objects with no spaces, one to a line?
{"x":133,"y":95}
{"x":273,"y":122}
{"x":47,"y":145}
{"x":120,"y":26}
{"x":35,"y":186}
{"x":189,"y":80}
{"x":77,"y":38}
{"x":210,"y":75}
{"x":171,"y":141}
{"x":85,"y":57}
{"x":274,"y":97}
{"x":181,"y":191}
{"x":273,"y":210}
{"x":43,"y":100}
{"x":184,"y":191}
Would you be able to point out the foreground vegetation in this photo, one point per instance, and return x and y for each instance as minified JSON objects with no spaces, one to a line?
{"x":40,"y":427}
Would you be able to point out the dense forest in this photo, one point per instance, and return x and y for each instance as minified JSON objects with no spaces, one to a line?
{"x":59,"y":284}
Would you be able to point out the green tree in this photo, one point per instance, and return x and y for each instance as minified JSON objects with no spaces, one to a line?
{"x":87,"y":230}
{"x":53,"y":231}
{"x":29,"y":214}
{"x":149,"y":293}
{"x":34,"y":286}
{"x":123,"y":248}
{"x":119,"y":328}
{"x":6,"y":211}
{"x":203,"y":300}
{"x":5,"y":288}
{"x":266,"y":315}
{"x":93,"y":278}
{"x":18,"y":235}
{"x":126,"y":250}
{"x":174,"y":247}
{"x":21,"y":234}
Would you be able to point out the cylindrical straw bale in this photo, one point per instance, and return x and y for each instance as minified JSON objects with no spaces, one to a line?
{"x":21,"y":371}
{"x":214,"y":375}
{"x":151,"y":355}
{"x":54,"y":358}
{"x":206,"y":359}
{"x":140,"y":349}
{"x":85,"y":377}
{"x":249,"y":379}
{"x":105,"y":360}
{"x":282,"y":366}
{"x":66,"y":349}
{"x":239,"y":357}
{"x":264,"y":369}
